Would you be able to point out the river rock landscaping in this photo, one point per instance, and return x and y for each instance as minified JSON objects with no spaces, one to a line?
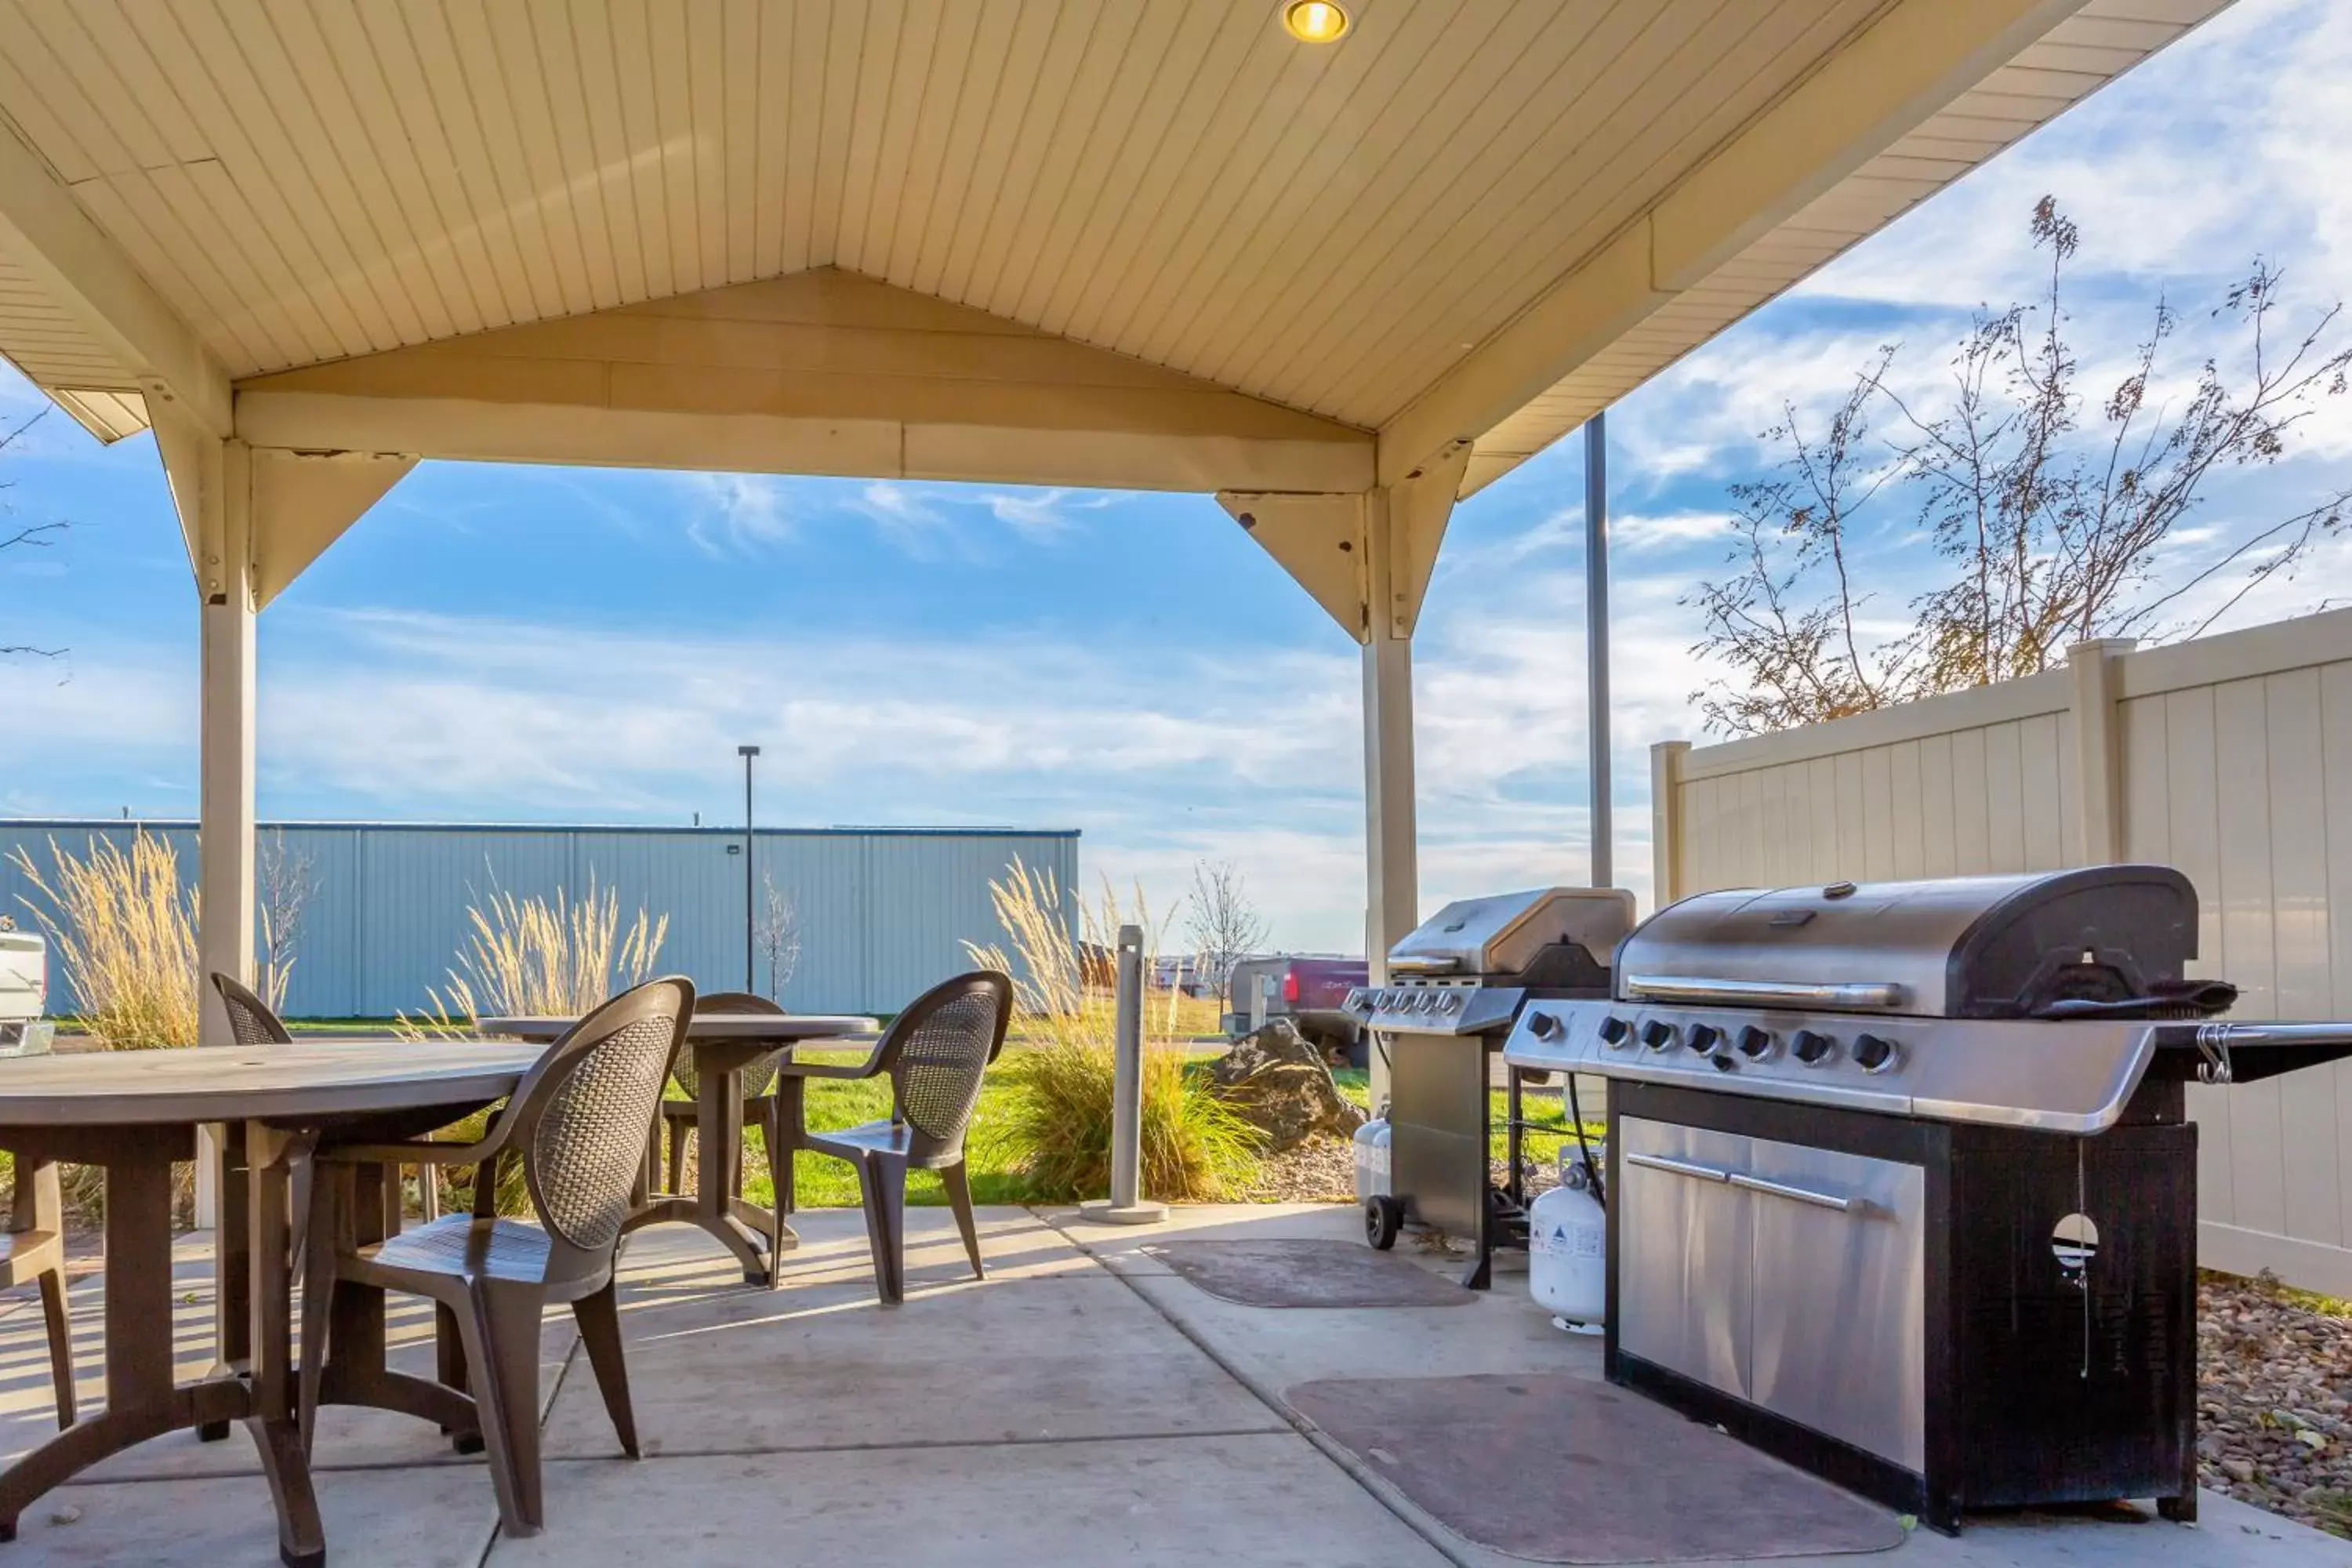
{"x":2274,"y":1399}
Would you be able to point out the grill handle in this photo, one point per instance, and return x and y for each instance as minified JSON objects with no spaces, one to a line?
{"x":1677,"y":1167}
{"x":1763,"y":992}
{"x":1747,"y":1183}
{"x":1819,"y":1200}
{"x":1423,"y":966}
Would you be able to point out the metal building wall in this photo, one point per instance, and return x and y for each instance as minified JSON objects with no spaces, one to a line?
{"x":882,"y":912}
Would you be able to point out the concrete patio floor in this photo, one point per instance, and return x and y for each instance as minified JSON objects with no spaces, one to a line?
{"x":1082,"y":1405}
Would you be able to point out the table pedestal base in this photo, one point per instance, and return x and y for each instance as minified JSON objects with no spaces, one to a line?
{"x":142,"y":1401}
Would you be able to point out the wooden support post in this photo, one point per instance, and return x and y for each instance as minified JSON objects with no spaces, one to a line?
{"x":2098,"y":803}
{"x":1392,"y":872}
{"x":212,"y":483}
{"x":1667,"y":821}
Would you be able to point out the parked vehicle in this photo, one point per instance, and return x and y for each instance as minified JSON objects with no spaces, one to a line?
{"x":24,"y":990}
{"x":1312,"y":993}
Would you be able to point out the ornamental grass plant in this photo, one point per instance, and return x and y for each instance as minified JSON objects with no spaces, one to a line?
{"x":524,"y":957}
{"x":123,"y":931}
{"x":1056,"y":1130}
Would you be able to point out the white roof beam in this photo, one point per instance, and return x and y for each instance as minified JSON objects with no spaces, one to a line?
{"x":51,"y":240}
{"x":1915,"y":58}
{"x":820,"y":373}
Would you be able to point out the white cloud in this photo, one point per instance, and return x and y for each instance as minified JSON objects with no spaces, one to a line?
{"x":742,"y":512}
{"x":1044,"y":514}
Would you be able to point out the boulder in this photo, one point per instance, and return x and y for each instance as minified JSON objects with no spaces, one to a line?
{"x":1278,"y":1081}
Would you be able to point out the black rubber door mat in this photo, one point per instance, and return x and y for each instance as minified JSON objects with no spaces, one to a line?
{"x":1559,"y":1470}
{"x":1271,"y":1273}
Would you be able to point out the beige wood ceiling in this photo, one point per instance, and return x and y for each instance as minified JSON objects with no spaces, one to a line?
{"x":1330,"y":229}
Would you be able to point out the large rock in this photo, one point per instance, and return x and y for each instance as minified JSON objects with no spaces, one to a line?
{"x":1278,"y":1081}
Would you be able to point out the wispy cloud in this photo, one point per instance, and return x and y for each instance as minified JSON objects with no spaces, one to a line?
{"x":738,"y":514}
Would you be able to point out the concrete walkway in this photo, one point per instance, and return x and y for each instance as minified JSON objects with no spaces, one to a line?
{"x":1083,"y":1406}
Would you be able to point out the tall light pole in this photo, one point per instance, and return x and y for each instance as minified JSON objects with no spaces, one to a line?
{"x":750,"y":909}
{"x":1596,"y":639}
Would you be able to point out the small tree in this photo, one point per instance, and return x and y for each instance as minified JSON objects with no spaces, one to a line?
{"x":286,"y":885}
{"x":778,"y":936}
{"x":2049,"y":526}
{"x":1223,"y":926}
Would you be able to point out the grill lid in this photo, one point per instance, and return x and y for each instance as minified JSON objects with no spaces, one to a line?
{"x":1502,"y":934}
{"x":1963,"y":947}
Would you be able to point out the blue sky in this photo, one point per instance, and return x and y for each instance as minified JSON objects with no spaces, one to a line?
{"x":520,"y":644}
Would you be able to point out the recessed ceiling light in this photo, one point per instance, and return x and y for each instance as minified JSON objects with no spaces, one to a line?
{"x":1315,"y":21}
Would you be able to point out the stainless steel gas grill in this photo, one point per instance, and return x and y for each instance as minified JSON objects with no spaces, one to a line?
{"x":1455,"y":985}
{"x":1901,"y":1187}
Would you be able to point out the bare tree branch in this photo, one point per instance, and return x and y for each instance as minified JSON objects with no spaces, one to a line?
{"x":2053,"y":529}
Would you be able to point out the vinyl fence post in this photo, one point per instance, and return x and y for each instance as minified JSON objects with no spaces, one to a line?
{"x":1126,"y":1204}
{"x":2097,"y":668}
{"x":1667,"y":821}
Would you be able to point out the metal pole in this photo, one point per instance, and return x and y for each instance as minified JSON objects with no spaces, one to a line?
{"x":750,"y":908}
{"x":1126,"y":1204}
{"x":1596,"y":641}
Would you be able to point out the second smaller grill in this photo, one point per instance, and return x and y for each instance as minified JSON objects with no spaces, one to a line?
{"x":1456,"y":985}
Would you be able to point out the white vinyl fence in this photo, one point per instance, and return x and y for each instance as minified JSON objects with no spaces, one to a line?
{"x":2229,"y":757}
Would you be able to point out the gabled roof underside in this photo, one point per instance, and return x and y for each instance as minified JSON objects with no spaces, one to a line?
{"x":1336,"y":232}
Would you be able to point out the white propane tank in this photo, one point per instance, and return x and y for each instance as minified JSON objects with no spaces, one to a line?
{"x":1567,"y":1268}
{"x":1372,"y":1143}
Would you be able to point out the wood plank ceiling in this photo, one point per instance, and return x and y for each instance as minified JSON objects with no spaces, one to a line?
{"x":1329,"y":229}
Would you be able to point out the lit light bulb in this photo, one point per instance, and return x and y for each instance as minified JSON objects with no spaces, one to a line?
{"x":1315,"y":21}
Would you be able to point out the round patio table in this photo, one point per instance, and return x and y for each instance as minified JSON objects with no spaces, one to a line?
{"x":135,"y":1113}
{"x":725,"y":1045}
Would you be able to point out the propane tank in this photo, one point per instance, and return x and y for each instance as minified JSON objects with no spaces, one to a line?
{"x":1371,"y":1142}
{"x":1567,"y":1267}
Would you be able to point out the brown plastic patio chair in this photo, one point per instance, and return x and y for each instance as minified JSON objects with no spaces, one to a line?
{"x":760,"y":1104}
{"x":33,"y":1247}
{"x":578,"y":1122}
{"x":934,"y":1054}
{"x":253,"y":1021}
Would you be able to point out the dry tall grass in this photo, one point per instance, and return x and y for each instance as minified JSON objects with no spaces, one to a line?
{"x":533,"y":956}
{"x":124,"y":931}
{"x":1195,"y":1149}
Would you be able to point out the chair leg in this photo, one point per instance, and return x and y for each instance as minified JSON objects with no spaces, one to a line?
{"x":502,"y":1351}
{"x":882,"y":1183}
{"x":786,"y":1122}
{"x":61,"y":1325}
{"x":599,"y":1317}
{"x":317,"y":1306}
{"x":780,"y":1199}
{"x":959,"y":1185}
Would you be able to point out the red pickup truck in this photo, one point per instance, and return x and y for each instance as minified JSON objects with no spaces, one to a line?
{"x":1312,"y":993}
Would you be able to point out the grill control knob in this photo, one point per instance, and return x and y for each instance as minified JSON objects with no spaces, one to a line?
{"x":1450,"y":1003}
{"x":1658,"y":1035}
{"x":1704,"y":1039}
{"x":1872,"y":1054}
{"x":1811,"y":1048}
{"x":1615,"y":1030}
{"x":1543,"y":1026}
{"x":1755,"y":1042}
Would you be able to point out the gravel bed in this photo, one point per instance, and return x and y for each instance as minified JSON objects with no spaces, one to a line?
{"x":1321,"y":1170}
{"x":2275,"y":1400}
